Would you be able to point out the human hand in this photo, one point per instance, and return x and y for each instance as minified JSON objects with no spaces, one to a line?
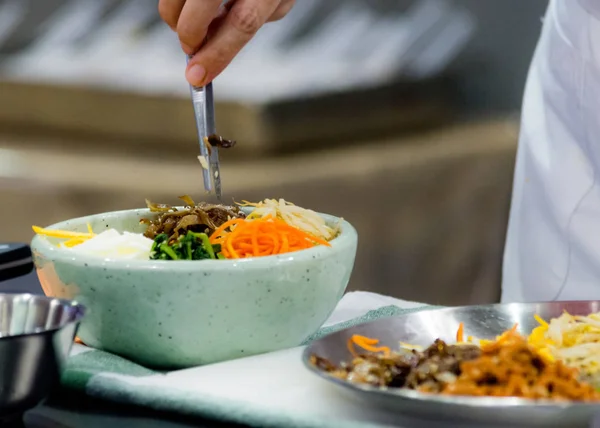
{"x":228,"y":27}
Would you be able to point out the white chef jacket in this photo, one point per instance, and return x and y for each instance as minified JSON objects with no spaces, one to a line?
{"x":553,"y":243}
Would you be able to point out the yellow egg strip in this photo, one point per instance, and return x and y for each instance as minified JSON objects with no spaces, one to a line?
{"x":540,"y":320}
{"x":72,"y":238}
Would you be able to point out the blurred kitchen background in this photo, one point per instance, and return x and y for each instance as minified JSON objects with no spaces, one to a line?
{"x":400,"y":116}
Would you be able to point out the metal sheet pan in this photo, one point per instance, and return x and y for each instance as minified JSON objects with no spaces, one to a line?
{"x":422,"y":328}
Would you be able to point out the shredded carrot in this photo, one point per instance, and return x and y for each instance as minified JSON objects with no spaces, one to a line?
{"x":460,"y":334}
{"x":366,"y":343}
{"x":221,"y":231}
{"x":350,"y":345}
{"x":242,"y":238}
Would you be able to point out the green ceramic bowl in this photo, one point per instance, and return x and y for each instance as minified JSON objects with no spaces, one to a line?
{"x":175,"y":314}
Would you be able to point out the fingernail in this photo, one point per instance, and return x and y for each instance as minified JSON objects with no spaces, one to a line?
{"x":186,"y":49}
{"x":195,"y":75}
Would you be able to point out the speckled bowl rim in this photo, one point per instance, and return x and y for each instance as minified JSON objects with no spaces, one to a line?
{"x":347,"y":237}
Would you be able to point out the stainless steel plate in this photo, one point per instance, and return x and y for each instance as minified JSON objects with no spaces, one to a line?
{"x":422,"y":328}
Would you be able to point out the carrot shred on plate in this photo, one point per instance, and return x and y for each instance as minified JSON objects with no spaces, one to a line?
{"x":242,"y":238}
{"x":460,"y":334}
{"x":367,"y":343}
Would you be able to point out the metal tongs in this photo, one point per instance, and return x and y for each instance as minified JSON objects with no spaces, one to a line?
{"x":204,"y":109}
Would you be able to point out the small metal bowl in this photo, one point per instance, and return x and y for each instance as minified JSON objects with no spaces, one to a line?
{"x":36,"y":335}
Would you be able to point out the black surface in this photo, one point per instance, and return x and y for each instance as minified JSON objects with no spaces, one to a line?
{"x":75,"y":410}
{"x":14,"y":252}
{"x":15,"y":271}
{"x":15,"y":260}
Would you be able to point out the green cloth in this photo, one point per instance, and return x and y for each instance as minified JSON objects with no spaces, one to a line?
{"x":91,"y":371}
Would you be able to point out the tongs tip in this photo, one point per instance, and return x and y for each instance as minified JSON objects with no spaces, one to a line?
{"x":203,"y":102}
